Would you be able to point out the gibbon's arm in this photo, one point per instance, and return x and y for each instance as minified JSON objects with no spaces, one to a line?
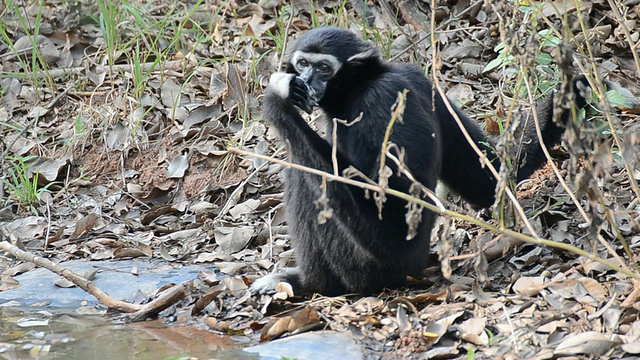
{"x":307,"y":147}
{"x":310,"y":149}
{"x":532,"y":157}
{"x":462,"y":170}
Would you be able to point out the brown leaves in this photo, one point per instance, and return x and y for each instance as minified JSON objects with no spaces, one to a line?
{"x":529,"y":286}
{"x":178,"y":167}
{"x":83,"y":226}
{"x":290,"y":324}
{"x":588,"y":343}
{"x":42,"y":45}
{"x":233,"y":239}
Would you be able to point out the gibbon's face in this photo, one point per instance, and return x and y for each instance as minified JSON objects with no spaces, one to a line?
{"x":315,"y":69}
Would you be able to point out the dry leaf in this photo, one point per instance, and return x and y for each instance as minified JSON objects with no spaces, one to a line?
{"x":590,"y":343}
{"x":283,"y":291}
{"x":178,"y":167}
{"x":84,"y":225}
{"x":203,"y":301}
{"x":46,"y":48}
{"x":440,"y":327}
{"x":529,"y":286}
{"x":7,"y":282}
{"x":170,"y":94}
{"x":301,"y":320}
{"x":233,"y":239}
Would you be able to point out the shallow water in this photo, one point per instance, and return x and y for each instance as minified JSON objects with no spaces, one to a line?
{"x":40,"y":334}
{"x":39,"y":320}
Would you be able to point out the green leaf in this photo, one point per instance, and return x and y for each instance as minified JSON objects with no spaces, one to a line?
{"x":545,"y":86}
{"x":78,"y":125}
{"x":493,"y":64}
{"x":544,"y":59}
{"x":618,"y":100}
{"x":548,"y":38}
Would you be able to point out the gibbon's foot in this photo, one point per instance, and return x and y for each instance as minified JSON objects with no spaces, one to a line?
{"x":267,"y":285}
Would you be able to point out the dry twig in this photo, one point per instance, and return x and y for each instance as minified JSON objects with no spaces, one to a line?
{"x":138,"y":312}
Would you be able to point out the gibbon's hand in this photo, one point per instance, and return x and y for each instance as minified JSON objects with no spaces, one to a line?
{"x":302,"y":95}
{"x":289,"y":86}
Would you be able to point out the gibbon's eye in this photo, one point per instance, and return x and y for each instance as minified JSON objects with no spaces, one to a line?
{"x":303,"y":63}
{"x":324,"y":68}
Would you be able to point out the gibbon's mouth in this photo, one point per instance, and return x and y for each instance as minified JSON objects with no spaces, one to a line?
{"x":315,"y":87}
{"x":315,"y":93}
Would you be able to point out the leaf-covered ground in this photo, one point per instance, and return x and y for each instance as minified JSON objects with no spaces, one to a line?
{"x":118,"y":120}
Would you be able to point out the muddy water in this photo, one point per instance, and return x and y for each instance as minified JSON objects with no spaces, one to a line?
{"x":41,"y":334}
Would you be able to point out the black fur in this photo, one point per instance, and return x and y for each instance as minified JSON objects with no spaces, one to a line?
{"x":355,"y":251}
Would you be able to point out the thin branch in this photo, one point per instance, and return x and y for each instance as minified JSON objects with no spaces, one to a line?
{"x":564,"y":185}
{"x":482,"y":156}
{"x":627,"y":33}
{"x":599,"y":91}
{"x":76,"y":279}
{"x":445,"y":212}
{"x":543,"y":146}
{"x":99,"y":69}
{"x":396,"y":115}
{"x":138,"y":312}
{"x":334,"y":139}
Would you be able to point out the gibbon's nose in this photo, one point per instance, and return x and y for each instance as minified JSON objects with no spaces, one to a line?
{"x":314,"y":84}
{"x":307,"y":75}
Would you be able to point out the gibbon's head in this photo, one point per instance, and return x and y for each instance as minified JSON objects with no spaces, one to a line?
{"x":320,"y":54}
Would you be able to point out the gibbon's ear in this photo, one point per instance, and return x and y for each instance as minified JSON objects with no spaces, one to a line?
{"x":370,"y":54}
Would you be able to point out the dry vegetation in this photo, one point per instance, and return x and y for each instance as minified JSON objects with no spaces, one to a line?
{"x":116,"y":124}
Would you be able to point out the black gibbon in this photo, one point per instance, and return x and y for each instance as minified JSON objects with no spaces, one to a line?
{"x":356,"y":250}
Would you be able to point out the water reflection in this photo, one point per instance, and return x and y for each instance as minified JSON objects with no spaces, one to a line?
{"x":33,"y":334}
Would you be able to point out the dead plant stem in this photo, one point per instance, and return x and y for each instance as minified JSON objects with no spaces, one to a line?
{"x":543,"y":146}
{"x":598,"y":85}
{"x":137,"y":312}
{"x":103,"y":69}
{"x":627,"y":33}
{"x":482,"y":156}
{"x":445,"y":212}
